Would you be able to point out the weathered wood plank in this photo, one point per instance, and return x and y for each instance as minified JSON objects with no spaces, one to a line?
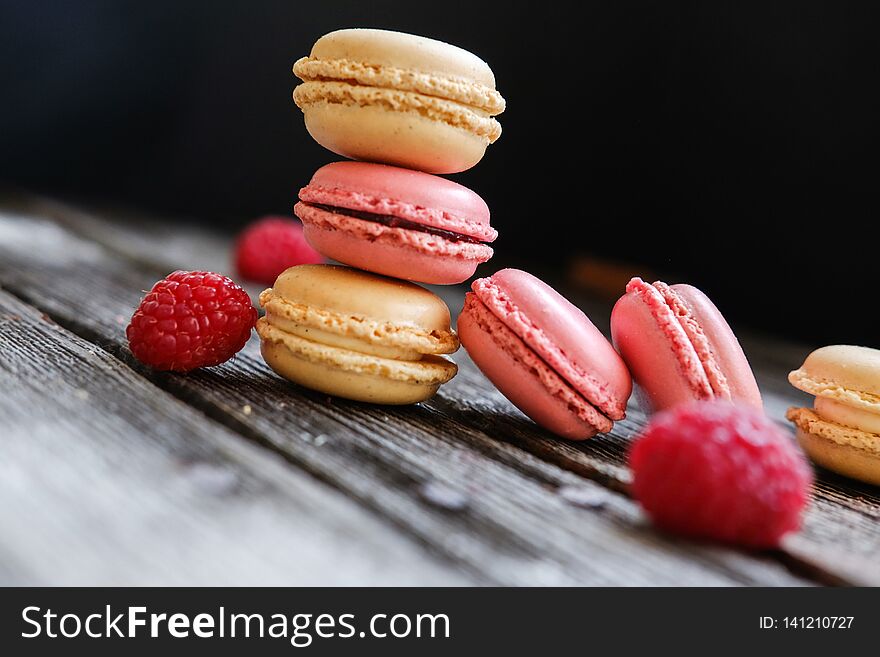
{"x":479,"y":499}
{"x":844,"y":512}
{"x":842,"y":518}
{"x":107,"y":480}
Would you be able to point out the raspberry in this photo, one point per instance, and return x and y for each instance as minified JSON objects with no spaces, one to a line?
{"x":719,"y":471}
{"x":191,"y":319}
{"x":269,"y":246}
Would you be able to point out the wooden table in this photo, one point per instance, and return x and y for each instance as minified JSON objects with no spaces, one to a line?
{"x":113,"y":474}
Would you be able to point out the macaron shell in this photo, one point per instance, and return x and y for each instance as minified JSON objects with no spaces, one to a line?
{"x":810,"y":421}
{"x":842,"y":459}
{"x":845,"y":373}
{"x":340,"y":382}
{"x":726,"y":350}
{"x":832,"y":390}
{"x":404,"y":193}
{"x":394,"y":252}
{"x":359,"y":295}
{"x":562,"y":335}
{"x":393,"y":60}
{"x":522,"y":377}
{"x":375,"y":133}
{"x":663,"y":379}
{"x":349,"y":374}
{"x":401,"y":50}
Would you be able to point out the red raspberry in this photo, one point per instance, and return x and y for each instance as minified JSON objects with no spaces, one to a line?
{"x":269,"y":246}
{"x":719,"y":471}
{"x":191,"y":319}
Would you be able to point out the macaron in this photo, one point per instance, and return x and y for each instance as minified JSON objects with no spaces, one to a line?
{"x":679,"y":348}
{"x":396,"y":222}
{"x":400,"y":99}
{"x":544,"y":354}
{"x":351,"y":334}
{"x":842,"y":430}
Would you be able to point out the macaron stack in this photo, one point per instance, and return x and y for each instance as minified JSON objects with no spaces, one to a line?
{"x":405,"y":107}
{"x":347,"y":333}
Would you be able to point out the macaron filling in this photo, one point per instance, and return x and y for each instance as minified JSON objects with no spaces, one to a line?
{"x":395,"y":222}
{"x":450,"y":87}
{"x":839,"y":413}
{"x":343,"y":341}
{"x":473,"y":120}
{"x":416,"y":197}
{"x":340,"y":340}
{"x":384,"y":339}
{"x":675,"y":321}
{"x":698,"y":339}
{"x":430,"y":370}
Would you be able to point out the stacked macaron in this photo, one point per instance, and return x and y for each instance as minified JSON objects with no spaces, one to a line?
{"x":406,"y":108}
{"x":381,"y":96}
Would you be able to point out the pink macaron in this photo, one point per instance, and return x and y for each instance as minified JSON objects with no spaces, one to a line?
{"x":544,"y":354}
{"x":397,"y":222}
{"x":679,"y":348}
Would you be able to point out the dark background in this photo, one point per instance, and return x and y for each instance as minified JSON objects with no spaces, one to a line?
{"x":728,"y":146}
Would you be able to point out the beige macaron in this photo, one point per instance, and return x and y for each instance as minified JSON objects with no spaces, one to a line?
{"x":356,"y":335}
{"x":842,"y":430}
{"x":399,"y":99}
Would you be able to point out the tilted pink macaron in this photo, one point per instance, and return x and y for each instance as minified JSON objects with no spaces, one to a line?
{"x":679,"y":347}
{"x":397,"y":222}
{"x":544,"y":354}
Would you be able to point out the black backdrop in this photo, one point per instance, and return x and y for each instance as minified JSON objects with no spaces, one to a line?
{"x":728,"y":146}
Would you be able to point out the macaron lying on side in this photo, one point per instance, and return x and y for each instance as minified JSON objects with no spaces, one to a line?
{"x":544,"y":354}
{"x":679,"y":348}
{"x":351,"y":334}
{"x":842,"y":430}
{"x":390,"y":97}
{"x":396,"y":222}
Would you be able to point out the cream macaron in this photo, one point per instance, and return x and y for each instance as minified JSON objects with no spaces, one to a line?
{"x":399,"y":99}
{"x":842,"y":430}
{"x":356,"y":335}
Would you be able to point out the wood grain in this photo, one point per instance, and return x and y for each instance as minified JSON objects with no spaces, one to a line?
{"x":840,"y":536}
{"x":107,"y":480}
{"x":440,"y":472}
